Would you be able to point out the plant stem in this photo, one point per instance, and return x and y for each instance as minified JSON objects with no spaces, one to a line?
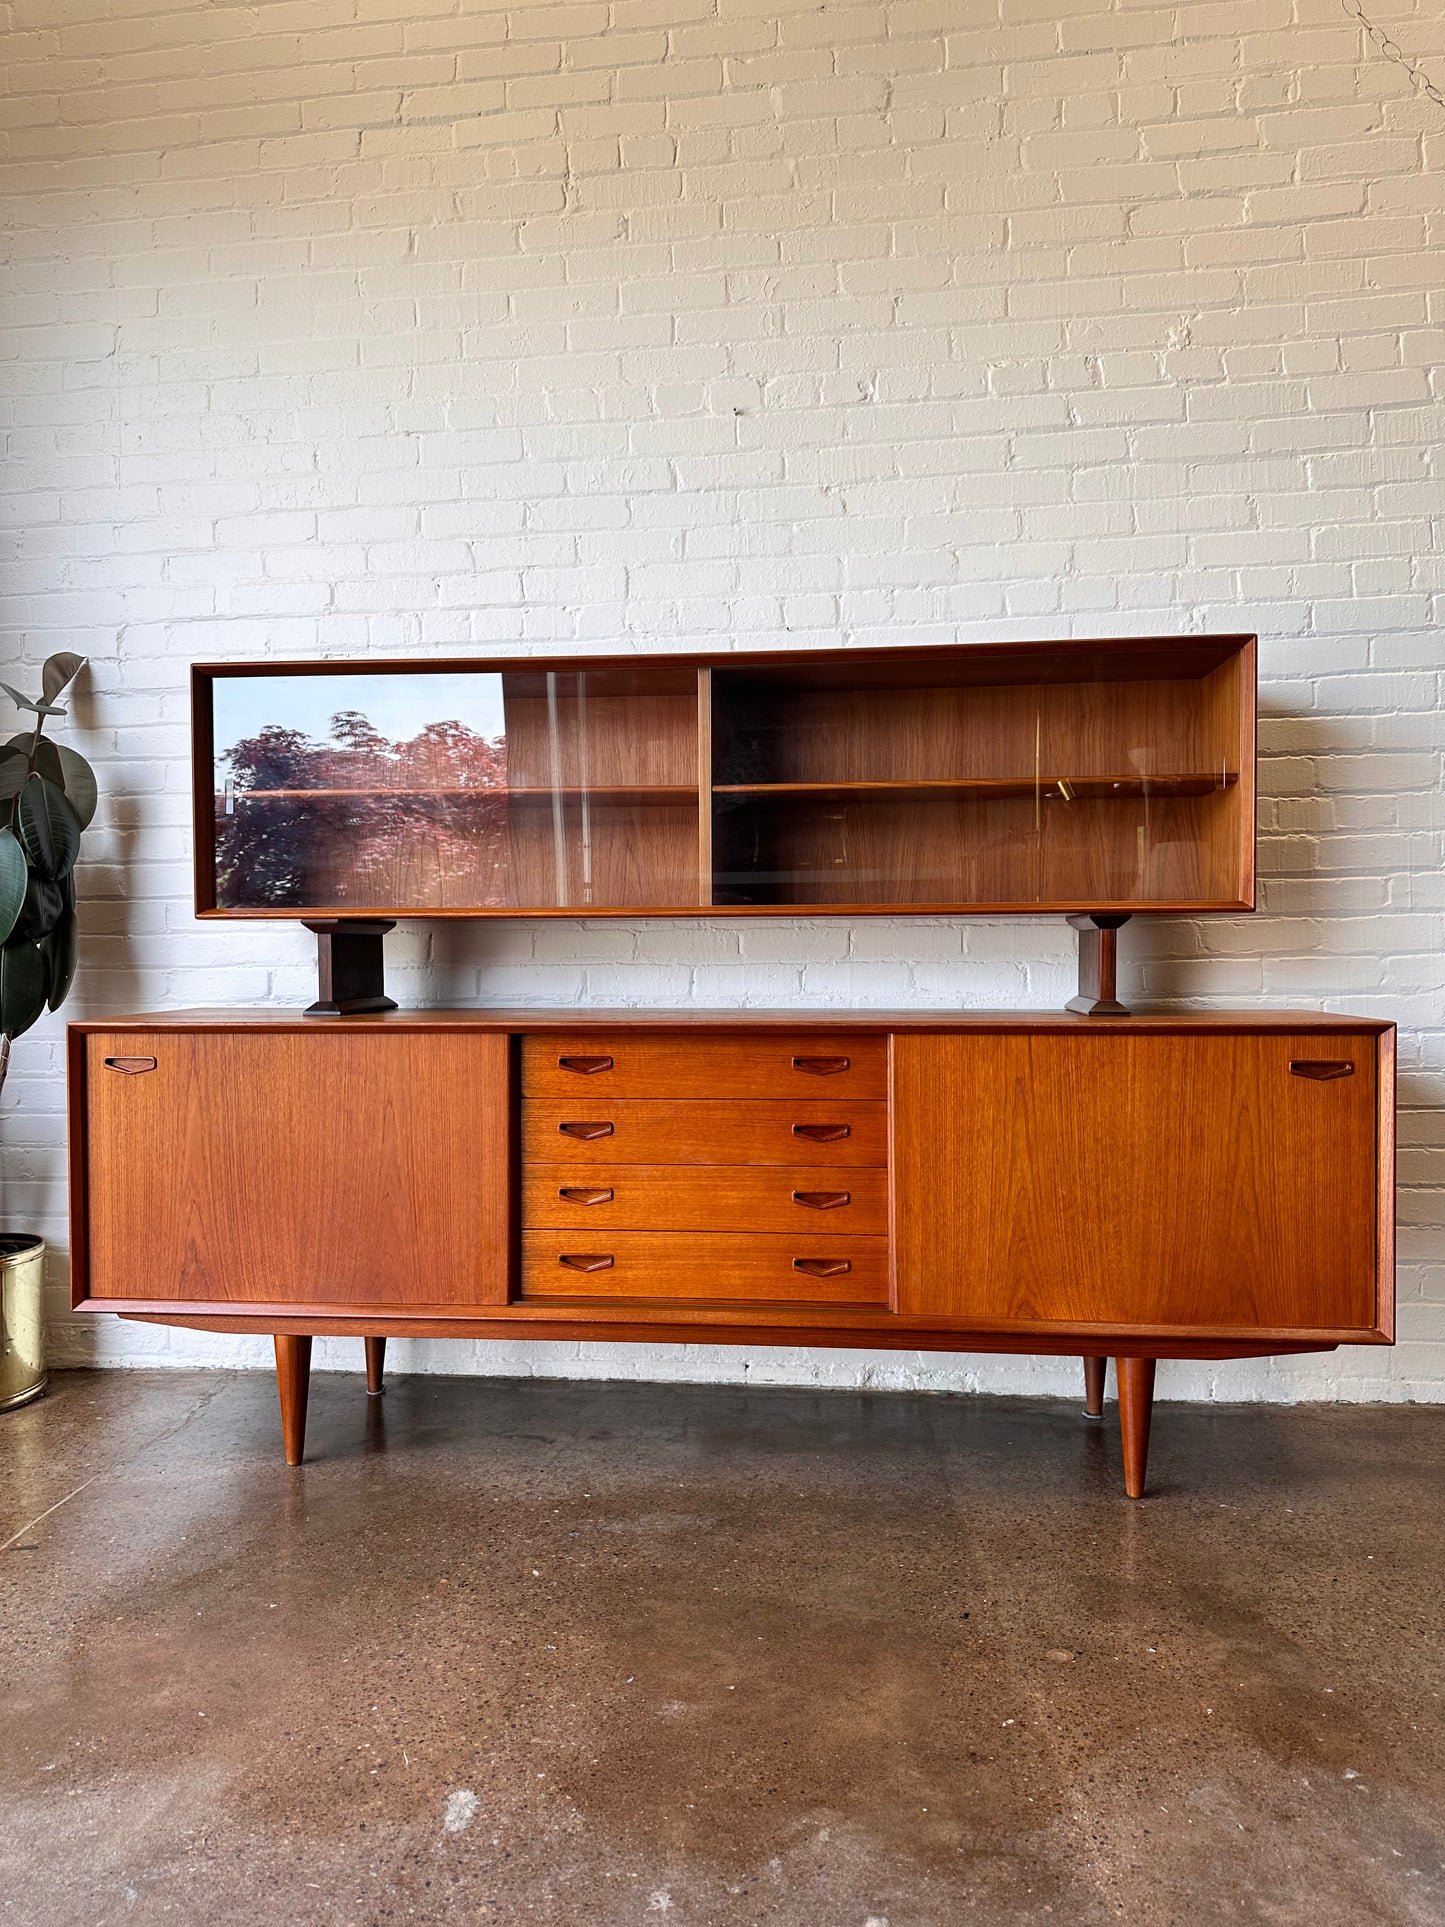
{"x":4,"y":1056}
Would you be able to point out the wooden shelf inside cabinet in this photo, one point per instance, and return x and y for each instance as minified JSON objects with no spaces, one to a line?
{"x":981,"y":788}
{"x":670,"y":795}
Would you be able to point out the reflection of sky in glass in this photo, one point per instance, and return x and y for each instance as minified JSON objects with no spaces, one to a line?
{"x":399,"y":706}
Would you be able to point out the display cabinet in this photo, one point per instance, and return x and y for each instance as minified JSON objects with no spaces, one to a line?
{"x":1068,"y":777}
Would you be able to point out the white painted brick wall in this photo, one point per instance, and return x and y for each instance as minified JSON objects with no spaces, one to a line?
{"x":425,"y":326}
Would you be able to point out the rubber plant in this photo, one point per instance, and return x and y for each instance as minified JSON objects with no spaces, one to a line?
{"x":47,"y":797}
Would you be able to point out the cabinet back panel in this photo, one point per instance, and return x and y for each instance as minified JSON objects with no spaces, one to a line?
{"x":644,"y":733}
{"x":1150,"y":1180}
{"x":892,"y":735}
{"x":611,"y":854}
{"x":318,"y":1169}
{"x":798,"y":850}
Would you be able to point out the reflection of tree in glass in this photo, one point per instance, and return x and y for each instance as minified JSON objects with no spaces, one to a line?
{"x":362,"y":820}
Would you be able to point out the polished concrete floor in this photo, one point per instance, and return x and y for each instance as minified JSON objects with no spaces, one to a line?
{"x":612,"y":1654}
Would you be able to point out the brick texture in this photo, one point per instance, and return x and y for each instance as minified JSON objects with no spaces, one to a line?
{"x":423,"y":326}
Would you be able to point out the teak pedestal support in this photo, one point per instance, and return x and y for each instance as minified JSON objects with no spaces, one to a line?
{"x":1098,"y":966}
{"x":350,"y":967}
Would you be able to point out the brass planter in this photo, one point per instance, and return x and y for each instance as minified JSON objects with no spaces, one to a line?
{"x":22,"y":1319}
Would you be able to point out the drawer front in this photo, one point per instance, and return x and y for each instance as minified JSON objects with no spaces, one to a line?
{"x":716,"y":1270}
{"x":584,"y":1135}
{"x":740,"y":1198}
{"x":596,"y":1065}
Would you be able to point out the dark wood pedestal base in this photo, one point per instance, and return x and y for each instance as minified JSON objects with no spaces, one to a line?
{"x":350,"y":967}
{"x":1098,"y":967}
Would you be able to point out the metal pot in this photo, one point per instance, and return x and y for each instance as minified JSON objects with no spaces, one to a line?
{"x":22,"y":1319}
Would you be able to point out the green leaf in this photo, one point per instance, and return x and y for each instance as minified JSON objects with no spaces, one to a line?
{"x":58,"y":671}
{"x":41,"y":910}
{"x":78,"y":782}
{"x":14,"y":768}
{"x":29,"y":702}
{"x":22,"y":986}
{"x":46,"y":756}
{"x":62,"y":949}
{"x":14,"y":876}
{"x":48,"y":828}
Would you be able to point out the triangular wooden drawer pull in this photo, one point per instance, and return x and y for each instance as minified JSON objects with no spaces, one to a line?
{"x":585,"y":1066}
{"x":585,"y":1194}
{"x":822,"y":1066}
{"x":587,"y":1261}
{"x":1322,"y":1069}
{"x":823,"y":1133}
{"x":823,"y":1267}
{"x":823,"y":1200}
{"x":587,"y":1131}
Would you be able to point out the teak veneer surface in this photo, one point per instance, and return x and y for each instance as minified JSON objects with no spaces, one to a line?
{"x":802,"y":1200}
{"x":335,"y":1169}
{"x":1137,"y":1179}
{"x":561,"y":1021}
{"x":793,"y":1064}
{"x":714,"y":1271}
{"x":703,"y":1131}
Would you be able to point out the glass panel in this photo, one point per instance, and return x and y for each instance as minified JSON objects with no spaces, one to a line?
{"x":455,"y":790}
{"x":1073,"y":794}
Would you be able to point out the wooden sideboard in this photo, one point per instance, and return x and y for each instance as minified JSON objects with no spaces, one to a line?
{"x":1212,"y":1185}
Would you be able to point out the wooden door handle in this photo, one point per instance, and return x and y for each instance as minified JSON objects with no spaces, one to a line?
{"x":587,"y":1260}
{"x":132,"y":1066}
{"x":587,"y":1131}
{"x":823,"y":1267}
{"x":1322,"y":1069}
{"x":823,"y":1200}
{"x":823,"y":1133}
{"x":585,"y":1066}
{"x":822,"y":1066}
{"x":584,"y":1194}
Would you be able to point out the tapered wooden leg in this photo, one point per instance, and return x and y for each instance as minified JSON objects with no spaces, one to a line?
{"x":1094,"y":1370}
{"x":375,"y":1366}
{"x":293,"y":1380}
{"x":1136,"y":1408}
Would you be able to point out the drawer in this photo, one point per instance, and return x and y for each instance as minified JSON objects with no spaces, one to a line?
{"x":693,"y":1064}
{"x":583,"y":1134}
{"x":742,"y":1198}
{"x":719,"y":1269}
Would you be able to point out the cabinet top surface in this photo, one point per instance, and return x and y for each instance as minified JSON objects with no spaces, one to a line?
{"x":594,"y":1019}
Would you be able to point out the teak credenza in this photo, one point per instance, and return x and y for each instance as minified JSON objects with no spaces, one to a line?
{"x":1201,"y":1186}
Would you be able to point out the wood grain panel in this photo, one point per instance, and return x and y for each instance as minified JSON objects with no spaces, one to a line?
{"x":717,"y":1131}
{"x":778,"y":734}
{"x":329,"y":1167}
{"x":643,"y":854}
{"x":1165,"y":1181}
{"x":824,"y":1066}
{"x":800,"y":1200}
{"x":1129,"y":851}
{"x":721,"y":1269}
